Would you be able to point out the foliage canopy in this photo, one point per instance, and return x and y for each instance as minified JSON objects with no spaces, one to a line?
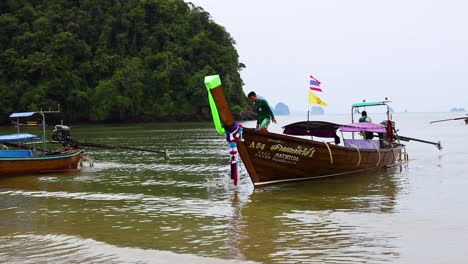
{"x":116,"y":60}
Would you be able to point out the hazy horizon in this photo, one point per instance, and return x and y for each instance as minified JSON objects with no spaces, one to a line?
{"x":412,"y":52}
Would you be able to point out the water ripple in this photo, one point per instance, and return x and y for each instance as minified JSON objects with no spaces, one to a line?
{"x":71,"y":249}
{"x":146,"y":204}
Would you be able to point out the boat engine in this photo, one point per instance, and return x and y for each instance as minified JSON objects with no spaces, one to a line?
{"x":61,"y":133}
{"x":387,"y":138}
{"x":385,"y":123}
{"x":389,"y":126}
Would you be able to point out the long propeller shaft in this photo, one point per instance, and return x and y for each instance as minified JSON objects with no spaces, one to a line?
{"x":437,"y":144}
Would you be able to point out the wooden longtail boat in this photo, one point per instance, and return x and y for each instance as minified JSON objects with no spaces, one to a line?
{"x":25,"y":158}
{"x":273,"y":158}
{"x":15,"y":162}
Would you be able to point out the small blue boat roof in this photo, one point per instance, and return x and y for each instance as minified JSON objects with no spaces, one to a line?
{"x":23,"y":114}
{"x":17,"y":137}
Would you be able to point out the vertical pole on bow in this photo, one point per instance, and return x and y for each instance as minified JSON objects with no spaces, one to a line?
{"x":216,"y":94}
{"x":233,"y":130}
{"x":213,"y":84}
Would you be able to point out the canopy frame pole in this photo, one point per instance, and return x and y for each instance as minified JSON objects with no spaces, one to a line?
{"x":43,"y":133}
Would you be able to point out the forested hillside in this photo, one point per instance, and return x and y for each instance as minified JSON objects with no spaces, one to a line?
{"x":113,"y":60}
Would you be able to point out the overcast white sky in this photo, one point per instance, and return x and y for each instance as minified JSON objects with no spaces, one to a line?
{"x":415,"y":52}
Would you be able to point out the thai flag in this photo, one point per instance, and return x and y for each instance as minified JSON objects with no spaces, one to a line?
{"x":314,"y":84}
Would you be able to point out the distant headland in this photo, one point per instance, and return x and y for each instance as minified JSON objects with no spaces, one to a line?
{"x":457,"y":109}
{"x":281,"y":109}
{"x":317,"y":110}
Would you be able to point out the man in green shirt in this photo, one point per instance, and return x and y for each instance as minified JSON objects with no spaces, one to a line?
{"x":263,"y":110}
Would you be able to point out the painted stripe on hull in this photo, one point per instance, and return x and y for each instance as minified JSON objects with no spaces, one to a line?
{"x":39,"y":157}
{"x":315,"y":177}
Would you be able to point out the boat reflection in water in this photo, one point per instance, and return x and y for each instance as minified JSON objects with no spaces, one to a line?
{"x":321,"y":221}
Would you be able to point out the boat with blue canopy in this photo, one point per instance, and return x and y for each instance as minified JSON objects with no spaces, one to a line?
{"x":24,"y":153}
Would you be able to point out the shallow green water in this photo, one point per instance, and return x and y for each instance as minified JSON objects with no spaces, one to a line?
{"x":138,"y":207}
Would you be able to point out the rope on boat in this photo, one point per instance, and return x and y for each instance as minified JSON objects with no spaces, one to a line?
{"x":85,"y":157}
{"x":359,"y":152}
{"x":403,"y":155}
{"x":378,"y":151}
{"x":393,"y":154}
{"x":329,"y":151}
{"x":400,"y":153}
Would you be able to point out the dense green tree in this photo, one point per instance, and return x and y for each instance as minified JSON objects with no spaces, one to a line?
{"x":116,"y":60}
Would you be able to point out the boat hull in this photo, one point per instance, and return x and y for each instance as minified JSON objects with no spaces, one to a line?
{"x":273,"y":158}
{"x":63,"y":161}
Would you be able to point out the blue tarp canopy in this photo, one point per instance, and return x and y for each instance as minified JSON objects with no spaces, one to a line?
{"x":17,"y":137}
{"x":24,"y":114}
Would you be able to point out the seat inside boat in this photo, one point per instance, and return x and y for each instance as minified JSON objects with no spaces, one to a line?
{"x":362,"y":143}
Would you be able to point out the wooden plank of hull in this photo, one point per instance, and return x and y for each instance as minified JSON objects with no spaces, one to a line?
{"x":32,"y":165}
{"x":277,"y":158}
